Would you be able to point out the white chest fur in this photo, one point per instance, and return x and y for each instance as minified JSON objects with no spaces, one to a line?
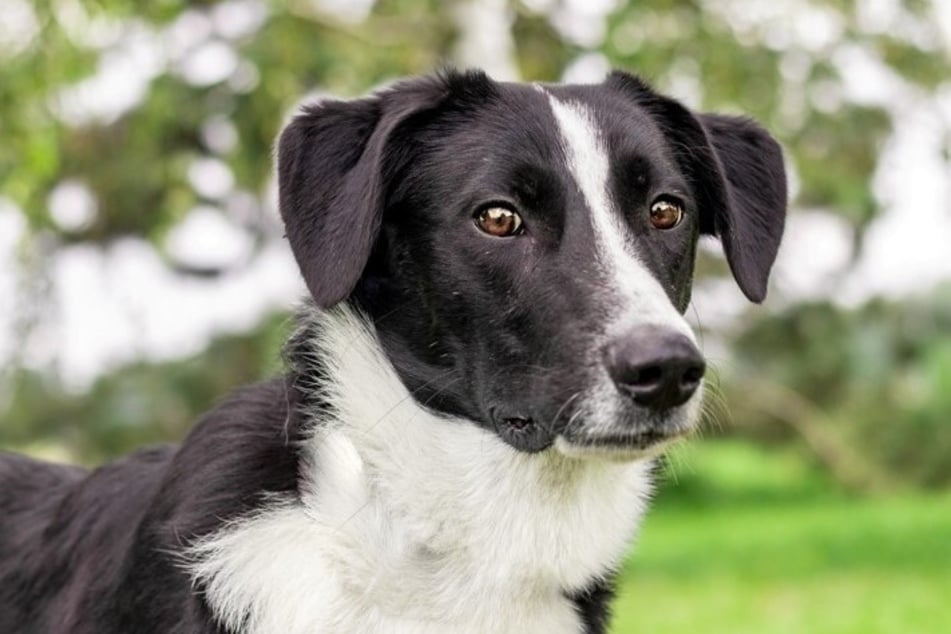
{"x":409,"y":522}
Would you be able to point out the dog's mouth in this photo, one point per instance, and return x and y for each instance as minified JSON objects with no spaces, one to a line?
{"x":620,"y":445}
{"x":619,"y":442}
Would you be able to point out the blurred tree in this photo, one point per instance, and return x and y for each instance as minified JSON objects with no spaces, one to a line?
{"x":143,"y":403}
{"x":868,"y":390}
{"x":131,"y":106}
{"x":217,"y":79}
{"x":208,"y":79}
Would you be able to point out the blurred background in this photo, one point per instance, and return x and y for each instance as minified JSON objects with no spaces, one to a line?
{"x":143,"y":272}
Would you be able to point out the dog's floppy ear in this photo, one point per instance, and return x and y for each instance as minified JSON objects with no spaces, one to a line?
{"x":334,"y":160}
{"x":751,"y":217}
{"x":736,"y":171}
{"x":329,"y":181}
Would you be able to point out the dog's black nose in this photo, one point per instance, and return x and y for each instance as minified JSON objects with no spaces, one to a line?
{"x":658,"y":368}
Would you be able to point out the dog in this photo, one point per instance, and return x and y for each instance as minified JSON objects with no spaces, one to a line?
{"x":493,"y":354}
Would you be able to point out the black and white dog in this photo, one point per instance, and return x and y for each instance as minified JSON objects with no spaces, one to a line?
{"x":463,"y":438}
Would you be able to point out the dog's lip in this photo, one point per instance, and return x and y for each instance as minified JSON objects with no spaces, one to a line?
{"x":622,"y":444}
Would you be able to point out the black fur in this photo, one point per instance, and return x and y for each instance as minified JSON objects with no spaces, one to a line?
{"x":95,"y":553}
{"x":378,"y":196}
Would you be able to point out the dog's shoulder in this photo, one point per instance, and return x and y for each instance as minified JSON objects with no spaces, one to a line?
{"x":239,"y":457}
{"x":241,"y":453}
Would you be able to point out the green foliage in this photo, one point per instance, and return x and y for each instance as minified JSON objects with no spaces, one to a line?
{"x":542,"y":54}
{"x":836,"y":153}
{"x":136,"y":164}
{"x":877,"y":380}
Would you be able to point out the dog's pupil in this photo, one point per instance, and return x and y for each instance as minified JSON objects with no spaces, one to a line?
{"x":499,"y":221}
{"x":665,"y":214}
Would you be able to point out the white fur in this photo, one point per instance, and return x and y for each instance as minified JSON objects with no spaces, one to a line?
{"x":414,"y":523}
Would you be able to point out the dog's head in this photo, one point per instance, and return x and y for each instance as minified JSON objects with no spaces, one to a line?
{"x":526,"y":251}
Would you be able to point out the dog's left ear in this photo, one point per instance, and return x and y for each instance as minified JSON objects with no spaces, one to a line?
{"x":749,"y":213}
{"x":736,"y":171}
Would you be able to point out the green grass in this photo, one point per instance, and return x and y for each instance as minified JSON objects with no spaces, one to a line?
{"x":748,"y":541}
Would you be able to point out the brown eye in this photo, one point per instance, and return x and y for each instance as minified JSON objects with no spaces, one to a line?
{"x":499,"y":222}
{"x":666,"y":213}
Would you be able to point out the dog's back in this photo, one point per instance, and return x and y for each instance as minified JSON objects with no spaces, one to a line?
{"x":31,"y":495}
{"x":26,"y":485}
{"x":61,"y":534}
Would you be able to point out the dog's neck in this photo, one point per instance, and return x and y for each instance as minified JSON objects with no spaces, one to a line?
{"x":417,"y":518}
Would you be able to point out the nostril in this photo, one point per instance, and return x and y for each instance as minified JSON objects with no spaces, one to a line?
{"x":692,"y":375}
{"x":646,"y":376}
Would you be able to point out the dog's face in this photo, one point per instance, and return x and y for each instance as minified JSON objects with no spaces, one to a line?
{"x":526,"y":252}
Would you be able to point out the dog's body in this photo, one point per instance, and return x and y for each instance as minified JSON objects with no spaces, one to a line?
{"x":462,"y":441}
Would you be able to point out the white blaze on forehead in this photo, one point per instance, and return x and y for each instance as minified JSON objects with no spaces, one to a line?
{"x":588,"y":161}
{"x":640,"y":295}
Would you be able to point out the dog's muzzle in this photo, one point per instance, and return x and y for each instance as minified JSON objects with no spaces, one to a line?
{"x":655,"y":372}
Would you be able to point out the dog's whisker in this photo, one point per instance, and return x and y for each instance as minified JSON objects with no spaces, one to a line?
{"x":566,"y":404}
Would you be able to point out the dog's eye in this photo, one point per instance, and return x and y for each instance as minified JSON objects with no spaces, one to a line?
{"x":500,"y":222}
{"x":666,"y":213}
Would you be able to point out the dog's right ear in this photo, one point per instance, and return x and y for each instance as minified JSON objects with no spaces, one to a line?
{"x":334,"y":159}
